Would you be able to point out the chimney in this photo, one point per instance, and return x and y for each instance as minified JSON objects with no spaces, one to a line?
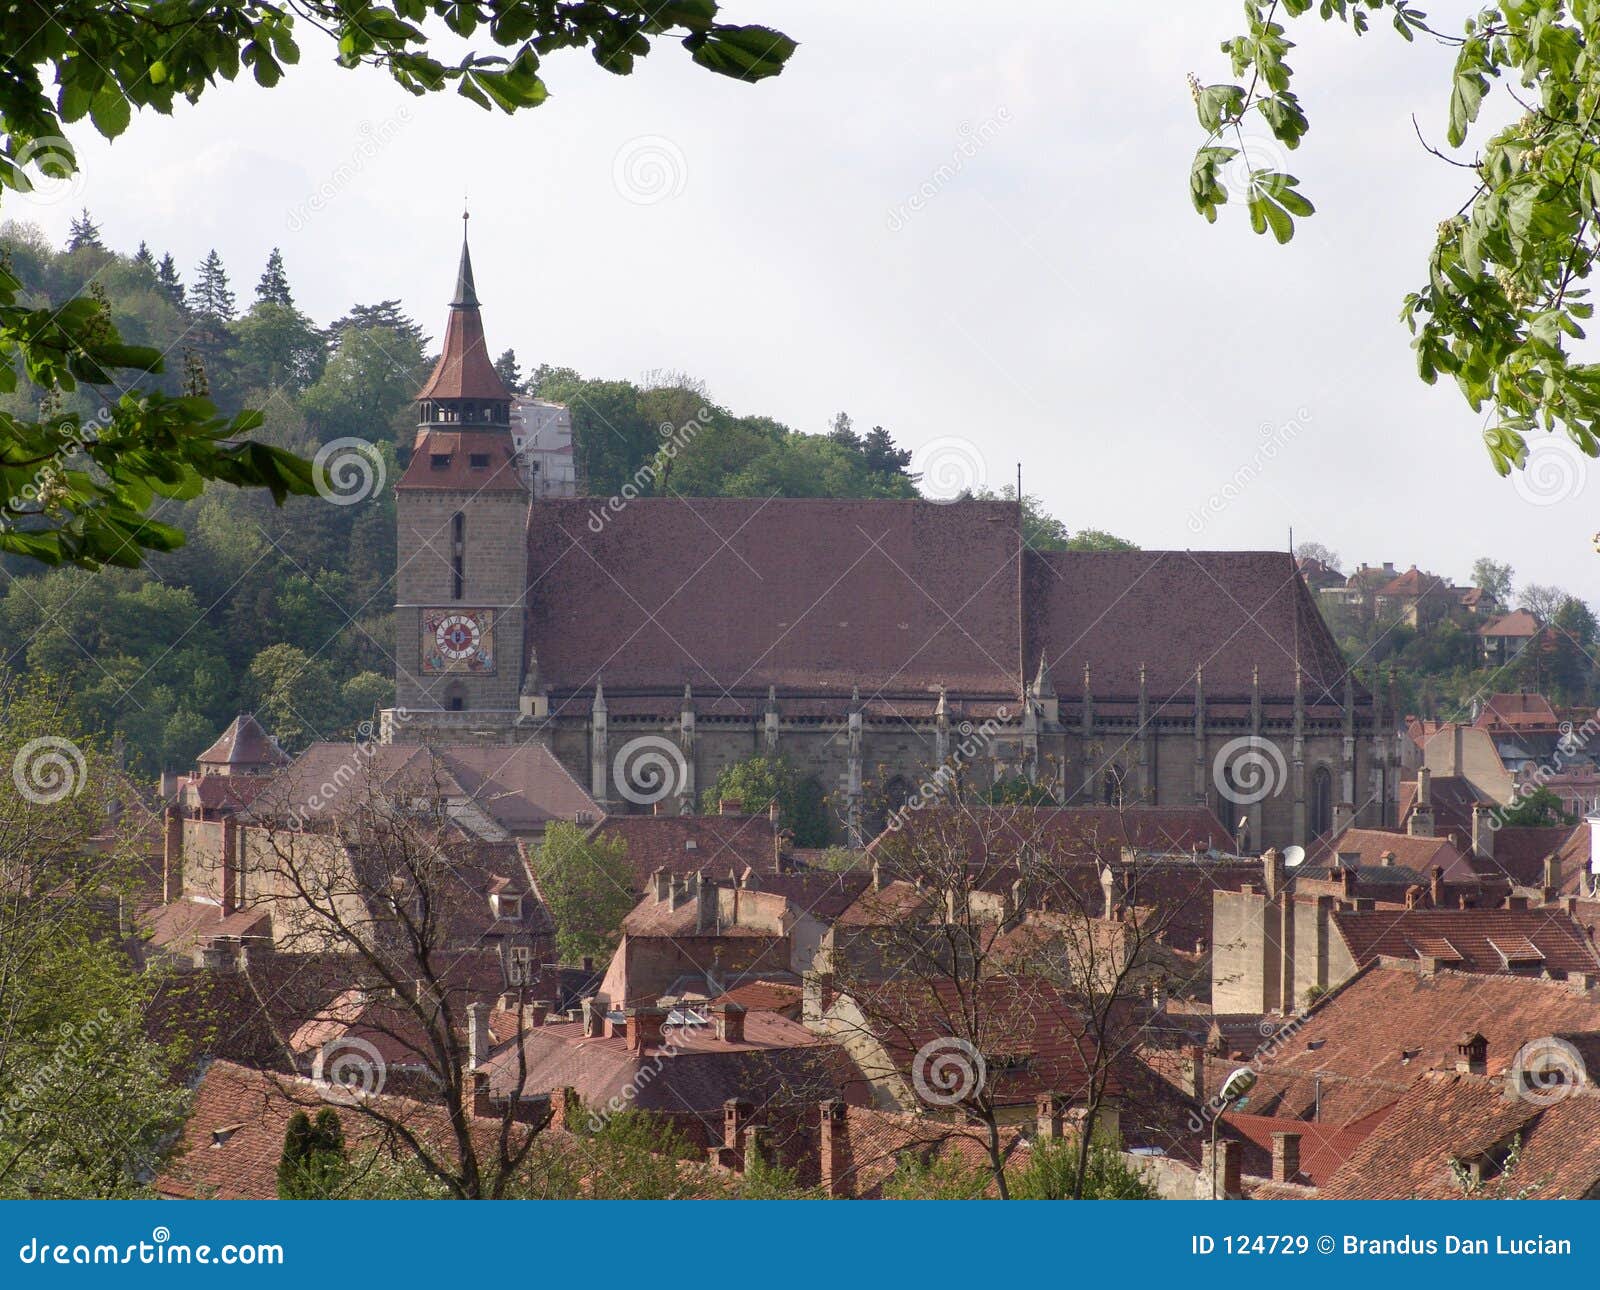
{"x":1052,"y":1115}
{"x":1424,"y":789}
{"x":1285,"y":1157}
{"x":1347,"y":881}
{"x":565,"y":1109}
{"x":705,"y":910}
{"x":1473,"y":1053}
{"x":172,"y":856}
{"x":1273,"y":871}
{"x":877,"y":875}
{"x":644,"y":1027}
{"x":1552,"y":878}
{"x":773,"y":812}
{"x":477,"y":1035}
{"x":1108,"y":888}
{"x":1195,"y":1073}
{"x":594,"y":1017}
{"x":230,"y":865}
{"x":1436,"y":886}
{"x":730,"y":806}
{"x":736,"y":1114}
{"x":478,"y":1082}
{"x":1457,"y":734}
{"x":834,"y":1149}
{"x":661,"y":881}
{"x":1482,"y":831}
{"x":1387,"y":859}
{"x":1344,"y":815}
{"x":816,"y":995}
{"x":538,"y":1010}
{"x":677,"y":891}
{"x":1414,"y":895}
{"x":729,"y":1021}
{"x":1221,"y":1168}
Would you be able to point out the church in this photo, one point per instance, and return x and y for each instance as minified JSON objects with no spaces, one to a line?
{"x":880,"y":647}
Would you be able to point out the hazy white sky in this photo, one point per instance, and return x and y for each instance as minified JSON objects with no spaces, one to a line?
{"x":1050,"y":296}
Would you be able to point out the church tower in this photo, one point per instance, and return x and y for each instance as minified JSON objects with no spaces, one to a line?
{"x":462,"y":560}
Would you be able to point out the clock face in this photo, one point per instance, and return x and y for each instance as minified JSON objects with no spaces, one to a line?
{"x":457,"y":640}
{"x":458,"y":636}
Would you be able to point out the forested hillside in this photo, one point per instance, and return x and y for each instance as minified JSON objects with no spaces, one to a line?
{"x":287,"y":610}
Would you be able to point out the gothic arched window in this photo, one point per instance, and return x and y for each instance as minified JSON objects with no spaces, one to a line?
{"x":1321,"y":801}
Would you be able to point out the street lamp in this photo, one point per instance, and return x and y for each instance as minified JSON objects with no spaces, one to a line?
{"x":1233,"y":1089}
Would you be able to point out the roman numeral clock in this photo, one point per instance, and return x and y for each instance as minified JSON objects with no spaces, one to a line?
{"x":457,"y":640}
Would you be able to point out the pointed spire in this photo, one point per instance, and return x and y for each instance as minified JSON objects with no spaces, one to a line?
{"x":772,"y":698}
{"x":466,"y":296}
{"x":942,"y":708}
{"x":1042,"y":686}
{"x":599,"y":695}
{"x":688,"y":698}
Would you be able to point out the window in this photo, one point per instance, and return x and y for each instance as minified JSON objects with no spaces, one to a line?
{"x":439,"y":461}
{"x":1111,"y":787}
{"x":458,"y":527}
{"x":478,"y":460}
{"x":458,"y":577}
{"x":1321,"y":801}
{"x":519,"y":966}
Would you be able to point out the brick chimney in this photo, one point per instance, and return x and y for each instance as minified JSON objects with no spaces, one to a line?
{"x":1473,"y":1054}
{"x":1285,"y":1157}
{"x":728,"y":1018}
{"x":1194,"y":1071}
{"x":1347,"y":881}
{"x":477,"y":1035}
{"x":833,"y":1149}
{"x":816,"y":995}
{"x":644,"y":1027}
{"x":537,"y":1011}
{"x":1420,"y":825}
{"x":1436,"y":886}
{"x":1051,"y":1110}
{"x":172,"y":855}
{"x":1108,"y":888}
{"x":661,"y":883}
{"x":705,"y":911}
{"x":1552,"y":878}
{"x":1414,"y":895}
{"x":1223,"y":1162}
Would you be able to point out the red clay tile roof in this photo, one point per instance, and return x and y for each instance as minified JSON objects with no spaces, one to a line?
{"x":184,"y":925}
{"x":1323,"y":1147}
{"x":1449,"y":1116}
{"x":244,"y":743}
{"x":1520,"y":852}
{"x":873,"y":1143}
{"x":1517,"y":711}
{"x":686,"y":844}
{"x":1367,"y":1042}
{"x":444,"y":459}
{"x":1519,"y":623}
{"x":464,"y":369}
{"x":1418,"y":854}
{"x":1483,"y":937}
{"x":766,"y":996}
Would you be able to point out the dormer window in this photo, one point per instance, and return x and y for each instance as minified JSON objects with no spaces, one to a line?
{"x":478,"y":460}
{"x":439,"y":461}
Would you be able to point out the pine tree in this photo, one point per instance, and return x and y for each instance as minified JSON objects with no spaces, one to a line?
{"x":313,"y":1156}
{"x":386,"y":314}
{"x":843,"y":433}
{"x":510,"y":371}
{"x":85,"y":233}
{"x":273,"y":289}
{"x":213,"y":298}
{"x":170,"y":284}
{"x":881,"y":455}
{"x":144,"y":260}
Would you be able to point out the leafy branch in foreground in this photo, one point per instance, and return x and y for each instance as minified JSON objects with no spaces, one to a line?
{"x":1503,"y":300}
{"x":84,"y":495}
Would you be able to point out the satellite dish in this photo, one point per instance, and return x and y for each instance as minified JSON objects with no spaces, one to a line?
{"x":1293,"y":856}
